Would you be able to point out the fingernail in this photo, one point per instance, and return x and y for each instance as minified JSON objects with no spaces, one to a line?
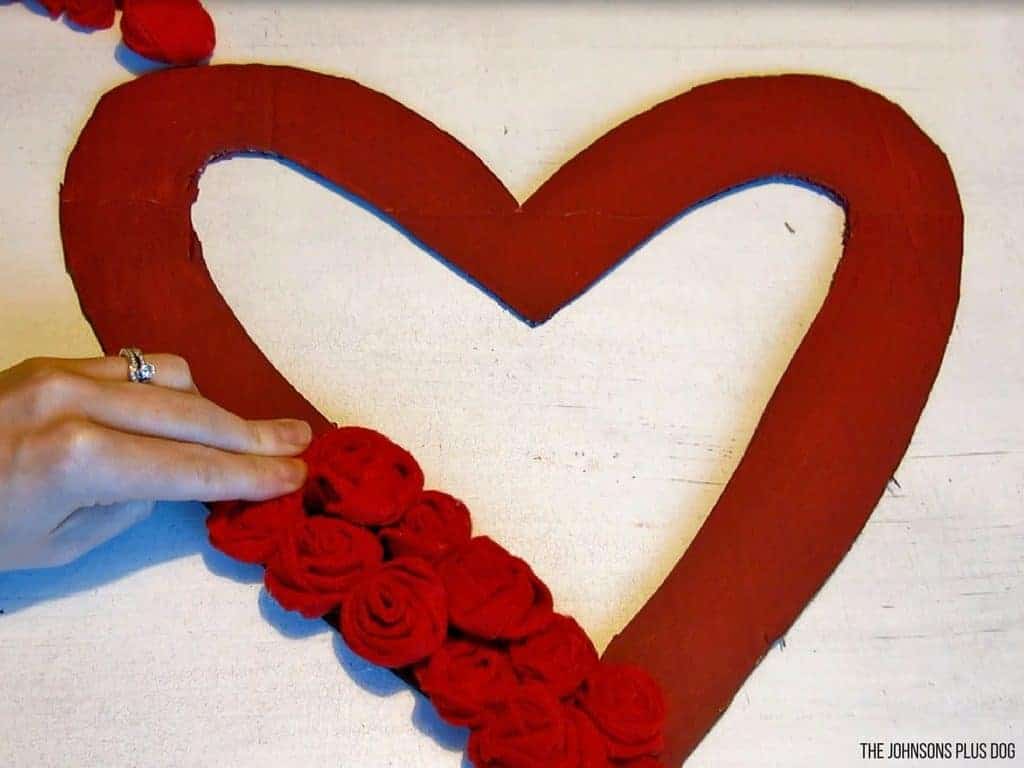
{"x":293,"y":473}
{"x":294,"y":432}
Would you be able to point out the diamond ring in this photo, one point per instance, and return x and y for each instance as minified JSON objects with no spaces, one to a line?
{"x":139,"y":371}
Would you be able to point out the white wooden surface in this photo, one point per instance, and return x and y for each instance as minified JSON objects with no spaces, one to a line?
{"x":594,"y":445}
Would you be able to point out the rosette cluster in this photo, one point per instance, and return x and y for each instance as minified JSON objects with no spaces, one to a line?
{"x":176,"y":32}
{"x":396,"y":569}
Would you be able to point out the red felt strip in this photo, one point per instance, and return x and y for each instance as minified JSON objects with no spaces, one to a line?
{"x":836,"y":426}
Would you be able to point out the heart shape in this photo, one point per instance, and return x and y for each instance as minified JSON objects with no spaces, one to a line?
{"x":832,"y":433}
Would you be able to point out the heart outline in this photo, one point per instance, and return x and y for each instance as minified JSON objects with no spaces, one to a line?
{"x":853,"y":391}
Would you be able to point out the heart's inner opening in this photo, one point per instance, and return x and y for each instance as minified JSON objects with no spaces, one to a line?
{"x":593,"y":446}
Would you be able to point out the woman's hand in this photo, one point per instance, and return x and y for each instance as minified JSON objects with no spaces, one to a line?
{"x":84,"y":453}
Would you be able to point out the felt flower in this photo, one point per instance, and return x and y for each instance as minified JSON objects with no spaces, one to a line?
{"x":492,"y":594}
{"x":54,"y":7}
{"x":172,"y":31}
{"x":250,"y":531}
{"x":628,"y":707}
{"x":434,"y":524}
{"x":361,"y":476}
{"x":317,"y":562}
{"x":560,"y":656}
{"x":177,"y":32}
{"x":396,"y":615}
{"x":463,"y":678}
{"x":640,"y":762}
{"x":530,"y":728}
{"x":94,"y":14}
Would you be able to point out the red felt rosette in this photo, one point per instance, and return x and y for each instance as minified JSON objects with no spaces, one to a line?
{"x":250,"y":531}
{"x":530,"y":728}
{"x":94,"y":14}
{"x":396,"y":615}
{"x":463,"y":678}
{"x":628,"y":707}
{"x":361,"y":476}
{"x":317,"y":562}
{"x":493,"y":594}
{"x":560,"y":656}
{"x":54,"y":7}
{"x":593,"y":746}
{"x":173,"y":31}
{"x":528,"y":681}
{"x":432,"y":526}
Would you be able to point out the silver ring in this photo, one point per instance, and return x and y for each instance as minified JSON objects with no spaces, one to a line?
{"x":139,"y":371}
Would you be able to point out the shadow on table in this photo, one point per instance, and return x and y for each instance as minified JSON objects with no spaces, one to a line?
{"x":179,"y":530}
{"x":133,"y":62}
{"x":171,"y":532}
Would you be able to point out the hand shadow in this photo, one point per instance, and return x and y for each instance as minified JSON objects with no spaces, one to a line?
{"x":172,"y":531}
{"x":176,"y":530}
{"x":384,"y":683}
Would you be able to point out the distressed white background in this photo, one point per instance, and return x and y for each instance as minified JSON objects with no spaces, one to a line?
{"x":595,"y":445}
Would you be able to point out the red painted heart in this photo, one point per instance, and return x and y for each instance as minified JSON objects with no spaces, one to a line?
{"x":832,"y":433}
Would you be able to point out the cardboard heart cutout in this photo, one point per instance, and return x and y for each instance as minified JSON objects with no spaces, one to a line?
{"x":832,"y":433}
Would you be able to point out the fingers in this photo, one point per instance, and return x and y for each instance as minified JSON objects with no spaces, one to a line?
{"x":88,"y":527}
{"x":83,"y":451}
{"x":191,"y":418}
{"x":171,"y":371}
{"x":167,"y":413}
{"x":53,"y":393}
{"x":98,"y":465}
